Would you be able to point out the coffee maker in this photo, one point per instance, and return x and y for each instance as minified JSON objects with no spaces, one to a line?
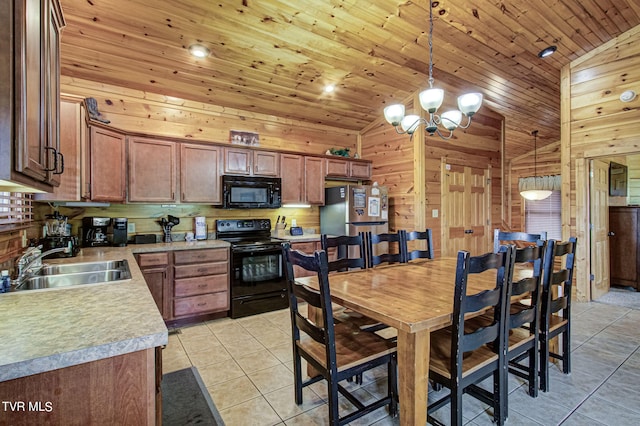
{"x":94,"y":231}
{"x":120,"y":225}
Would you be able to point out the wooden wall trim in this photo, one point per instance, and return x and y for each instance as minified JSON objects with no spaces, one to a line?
{"x":419,"y":174}
{"x":576,"y":63}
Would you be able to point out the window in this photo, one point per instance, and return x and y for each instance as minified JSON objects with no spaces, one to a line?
{"x":15,"y":210}
{"x":544,"y":215}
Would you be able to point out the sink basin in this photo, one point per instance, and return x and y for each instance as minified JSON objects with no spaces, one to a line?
{"x":70,"y":274}
{"x":74,"y":268}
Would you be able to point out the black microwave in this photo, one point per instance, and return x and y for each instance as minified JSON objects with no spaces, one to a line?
{"x":241,"y":192}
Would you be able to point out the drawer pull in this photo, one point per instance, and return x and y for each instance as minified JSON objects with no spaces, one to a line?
{"x":202,"y":304}
{"x":202,"y":285}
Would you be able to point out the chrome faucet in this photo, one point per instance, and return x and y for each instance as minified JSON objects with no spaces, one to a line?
{"x":29,"y":263}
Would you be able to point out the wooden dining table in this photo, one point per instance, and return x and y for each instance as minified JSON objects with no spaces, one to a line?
{"x":415,"y":299}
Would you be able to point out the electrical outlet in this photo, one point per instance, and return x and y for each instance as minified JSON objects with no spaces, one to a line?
{"x":434,"y":213}
{"x":131,"y":227}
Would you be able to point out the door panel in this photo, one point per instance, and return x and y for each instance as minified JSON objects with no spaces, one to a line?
{"x":599,"y":194}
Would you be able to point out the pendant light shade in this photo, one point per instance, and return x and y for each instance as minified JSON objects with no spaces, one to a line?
{"x":538,"y":192}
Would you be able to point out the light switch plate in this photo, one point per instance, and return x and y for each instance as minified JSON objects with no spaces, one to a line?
{"x":131,"y":227}
{"x":434,"y":213}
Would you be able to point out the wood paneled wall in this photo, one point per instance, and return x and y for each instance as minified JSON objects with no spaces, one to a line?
{"x":411,"y":168}
{"x":595,"y":123}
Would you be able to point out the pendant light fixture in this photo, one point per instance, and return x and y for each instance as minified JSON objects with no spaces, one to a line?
{"x":536,"y":193}
{"x":430,"y":100}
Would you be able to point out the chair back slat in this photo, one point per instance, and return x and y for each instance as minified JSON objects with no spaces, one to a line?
{"x":533,"y":255}
{"x":385,"y":241}
{"x":345,"y":245}
{"x":427,"y":237}
{"x":562,"y":278}
{"x":517,"y":238}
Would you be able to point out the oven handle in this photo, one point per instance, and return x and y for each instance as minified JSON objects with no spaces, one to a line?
{"x":248,"y":299}
{"x":274,"y":249}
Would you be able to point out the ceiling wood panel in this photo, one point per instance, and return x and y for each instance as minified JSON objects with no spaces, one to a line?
{"x":273,"y":57}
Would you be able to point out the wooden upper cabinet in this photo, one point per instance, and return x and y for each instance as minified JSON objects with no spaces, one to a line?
{"x":33,"y":84}
{"x":152,"y":170}
{"x":292,"y":175}
{"x":349,"y":169}
{"x":266,"y":163}
{"x":314,"y":172}
{"x":107,"y":165}
{"x":72,"y":138}
{"x":200,"y":174}
{"x":248,"y":162}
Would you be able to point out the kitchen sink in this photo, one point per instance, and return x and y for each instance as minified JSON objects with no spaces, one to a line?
{"x":70,"y":274}
{"x":74,"y":268}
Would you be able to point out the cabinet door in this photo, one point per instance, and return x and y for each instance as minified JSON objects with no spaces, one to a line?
{"x":337,"y":167}
{"x":237,"y":161}
{"x":152,"y":170}
{"x":156,"y":279}
{"x":292,"y":176}
{"x":314,"y":169}
{"x":307,"y":248}
{"x":107,"y":168}
{"x":359,"y":170}
{"x":266,"y":163}
{"x":199,"y":174}
{"x":70,"y":138}
{"x":31,"y":59}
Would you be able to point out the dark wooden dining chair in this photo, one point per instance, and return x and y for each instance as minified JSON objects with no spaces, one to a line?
{"x":461,"y":356}
{"x":337,"y":351}
{"x":423,"y":253}
{"x":388,"y":248}
{"x":517,"y":238}
{"x":557,"y":280}
{"x":350,"y":251}
{"x":523,"y":324}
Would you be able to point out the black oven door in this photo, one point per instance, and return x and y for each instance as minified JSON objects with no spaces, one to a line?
{"x":257,"y":272}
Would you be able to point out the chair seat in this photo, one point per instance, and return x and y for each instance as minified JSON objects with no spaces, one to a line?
{"x":556,"y":322}
{"x":440,"y":357}
{"x":517,"y":336}
{"x":353,"y":346}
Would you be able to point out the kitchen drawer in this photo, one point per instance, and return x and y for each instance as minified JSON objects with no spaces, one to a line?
{"x":200,"y":285}
{"x":193,"y":305}
{"x":183,"y":271}
{"x":153,"y":259}
{"x":200,"y":256}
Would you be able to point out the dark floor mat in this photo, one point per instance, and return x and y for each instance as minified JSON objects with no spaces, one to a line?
{"x":185,"y":400}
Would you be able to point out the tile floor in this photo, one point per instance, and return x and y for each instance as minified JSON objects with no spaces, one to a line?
{"x":247,"y":368}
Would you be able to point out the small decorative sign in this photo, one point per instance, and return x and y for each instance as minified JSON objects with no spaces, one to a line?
{"x":238,"y":137}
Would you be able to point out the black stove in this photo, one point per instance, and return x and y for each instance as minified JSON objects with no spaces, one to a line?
{"x":257,"y":268}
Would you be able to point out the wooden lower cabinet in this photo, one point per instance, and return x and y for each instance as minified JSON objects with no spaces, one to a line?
{"x":200,"y":282}
{"x":156,"y":269}
{"x":121,"y":390}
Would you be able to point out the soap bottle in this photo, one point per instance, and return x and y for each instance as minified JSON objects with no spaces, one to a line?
{"x":5,"y":283}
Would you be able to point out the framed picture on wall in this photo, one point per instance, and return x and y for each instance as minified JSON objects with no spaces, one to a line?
{"x":239,"y":137}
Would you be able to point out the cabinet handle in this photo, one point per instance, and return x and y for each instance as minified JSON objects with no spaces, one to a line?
{"x":468,"y":231}
{"x":611,"y":234}
{"x":202,"y":285}
{"x":202,"y":304}
{"x":55,"y":164}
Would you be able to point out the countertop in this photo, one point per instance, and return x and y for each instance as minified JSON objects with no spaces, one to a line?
{"x":43,"y":330}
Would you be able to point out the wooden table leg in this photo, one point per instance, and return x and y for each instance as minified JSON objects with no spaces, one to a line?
{"x":413,"y":372}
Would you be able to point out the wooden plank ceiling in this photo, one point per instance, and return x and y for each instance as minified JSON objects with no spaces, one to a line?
{"x":275,"y":56}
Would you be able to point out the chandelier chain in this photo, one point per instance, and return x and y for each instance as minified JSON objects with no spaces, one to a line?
{"x":430,"y":45}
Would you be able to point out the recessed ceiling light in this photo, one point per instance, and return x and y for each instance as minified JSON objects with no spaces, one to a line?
{"x":547,"y":51}
{"x":628,"y":96}
{"x":329,"y":88}
{"x":199,"y":51}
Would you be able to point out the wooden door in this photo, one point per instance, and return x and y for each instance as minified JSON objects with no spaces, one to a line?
{"x":466,"y":209}
{"x":292,"y":170}
{"x":152,"y":170}
{"x":107,"y":168}
{"x":200,"y":174}
{"x":599,"y":223}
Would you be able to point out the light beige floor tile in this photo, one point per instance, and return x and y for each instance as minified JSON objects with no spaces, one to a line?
{"x":244,"y":347}
{"x":283,"y":401}
{"x":283,"y":352}
{"x":272,"y":378}
{"x":233,"y":392}
{"x":194,"y":330}
{"x":257,"y":361}
{"x":255,"y":412}
{"x":175,"y":363}
{"x":220,"y":372}
{"x":231,"y":334}
{"x":200,"y":343}
{"x":273,"y":338}
{"x":212,"y":356}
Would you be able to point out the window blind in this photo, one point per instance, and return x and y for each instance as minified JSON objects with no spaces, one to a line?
{"x":15,"y":209}
{"x":544,"y":215}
